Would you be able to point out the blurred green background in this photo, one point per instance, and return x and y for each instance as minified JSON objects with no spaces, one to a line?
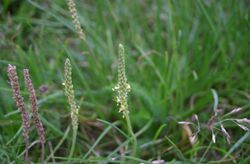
{"x":177,"y":51}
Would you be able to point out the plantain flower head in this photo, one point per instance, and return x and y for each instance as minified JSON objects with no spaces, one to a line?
{"x":75,"y":18}
{"x":122,"y":88}
{"x":69,"y":91}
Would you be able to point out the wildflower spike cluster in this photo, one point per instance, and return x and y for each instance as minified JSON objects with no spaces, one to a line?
{"x":20,"y":104}
{"x":69,"y":91}
{"x":76,"y":22}
{"x":122,"y":88}
{"x":33,"y":101}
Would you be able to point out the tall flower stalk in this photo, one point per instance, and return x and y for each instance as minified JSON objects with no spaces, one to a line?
{"x":35,"y":115}
{"x":69,"y":91}
{"x":20,"y":104}
{"x":123,"y":88}
{"x":75,"y":18}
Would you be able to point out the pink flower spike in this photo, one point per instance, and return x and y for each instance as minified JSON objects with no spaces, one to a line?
{"x":243,"y":120}
{"x":225,"y":133}
{"x":184,"y":123}
{"x":243,"y":127}
{"x":235,"y":111}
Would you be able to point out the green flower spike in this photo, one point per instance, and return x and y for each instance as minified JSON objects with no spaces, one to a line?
{"x":69,"y":91}
{"x":122,"y":88}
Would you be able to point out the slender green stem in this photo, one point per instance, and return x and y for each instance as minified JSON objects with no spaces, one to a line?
{"x":42,"y":154}
{"x":73,"y":143}
{"x":26,"y":157}
{"x":59,"y":144}
{"x":130,"y":129}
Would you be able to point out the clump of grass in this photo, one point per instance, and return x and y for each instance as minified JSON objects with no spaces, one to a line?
{"x":123,"y":88}
{"x":75,"y":18}
{"x":35,"y":115}
{"x":20,"y":104}
{"x":165,"y":86}
{"x":69,"y":91}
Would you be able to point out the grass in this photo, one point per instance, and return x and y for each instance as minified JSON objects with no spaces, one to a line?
{"x":181,"y":55}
